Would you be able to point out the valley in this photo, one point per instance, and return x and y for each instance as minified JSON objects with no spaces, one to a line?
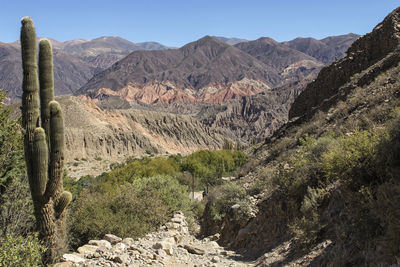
{"x":293,"y":146}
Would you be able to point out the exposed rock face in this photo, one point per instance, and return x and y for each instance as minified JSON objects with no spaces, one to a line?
{"x":114,"y":135}
{"x":250,"y":117}
{"x":381,"y":43}
{"x":166,"y":92}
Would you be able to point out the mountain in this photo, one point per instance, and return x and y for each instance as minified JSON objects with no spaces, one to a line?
{"x":104,"y":51}
{"x":199,"y":70}
{"x":326,"y":50}
{"x":230,"y":41}
{"x":272,"y":53}
{"x":69,"y":72}
{"x":323,"y":189}
{"x":75,"y":62}
{"x":205,"y":80}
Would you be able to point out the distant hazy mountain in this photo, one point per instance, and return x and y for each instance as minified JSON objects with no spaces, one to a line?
{"x":231,"y":41}
{"x":326,"y":50}
{"x":75,"y":61}
{"x":272,"y":53}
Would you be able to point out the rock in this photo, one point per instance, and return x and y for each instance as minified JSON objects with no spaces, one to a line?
{"x":194,"y":250}
{"x":101,"y":243}
{"x":177,"y":220}
{"x":140,"y":250}
{"x":113,"y":239}
{"x":162,"y":253}
{"x":215,"y":237}
{"x":87,"y":249}
{"x":235,"y":207}
{"x":169,"y":251}
{"x":215,"y":259}
{"x":63,"y":264}
{"x":119,"y":248}
{"x":214,"y":244}
{"x":124,"y":259}
{"x":162,"y":245}
{"x":128,"y":241}
{"x":75,"y":258}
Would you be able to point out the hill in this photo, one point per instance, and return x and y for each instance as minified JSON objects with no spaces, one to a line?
{"x":323,"y":189}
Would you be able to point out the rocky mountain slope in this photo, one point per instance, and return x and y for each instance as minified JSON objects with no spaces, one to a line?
{"x":75,"y":62}
{"x":273,"y":53}
{"x":325,"y":50}
{"x":358,"y":94}
{"x":230,"y":87}
{"x":113,"y":135}
{"x":205,"y":70}
{"x":187,"y":70}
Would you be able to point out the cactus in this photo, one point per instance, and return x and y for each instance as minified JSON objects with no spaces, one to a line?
{"x":44,"y":146}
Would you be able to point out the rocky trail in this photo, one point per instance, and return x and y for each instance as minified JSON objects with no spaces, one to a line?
{"x":172,"y":245}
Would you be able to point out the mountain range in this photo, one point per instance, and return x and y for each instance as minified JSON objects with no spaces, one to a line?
{"x":210,"y":70}
{"x":75,"y":62}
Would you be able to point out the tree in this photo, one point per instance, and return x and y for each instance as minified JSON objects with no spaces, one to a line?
{"x":16,"y":210}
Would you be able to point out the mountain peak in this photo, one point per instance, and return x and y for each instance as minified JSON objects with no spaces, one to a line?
{"x":209,"y":39}
{"x":267,"y":40}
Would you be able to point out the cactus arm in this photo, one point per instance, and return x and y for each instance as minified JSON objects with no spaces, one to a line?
{"x":46,"y":82}
{"x":40,"y":162}
{"x":64,"y":200}
{"x":57,"y":149}
{"x":30,"y":99}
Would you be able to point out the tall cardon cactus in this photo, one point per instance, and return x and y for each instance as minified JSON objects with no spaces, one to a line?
{"x":43,"y":141}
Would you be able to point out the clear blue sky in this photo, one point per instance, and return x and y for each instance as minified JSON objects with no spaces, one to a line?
{"x":176,"y":22}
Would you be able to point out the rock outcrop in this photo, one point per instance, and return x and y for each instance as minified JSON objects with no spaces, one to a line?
{"x":380,"y":47}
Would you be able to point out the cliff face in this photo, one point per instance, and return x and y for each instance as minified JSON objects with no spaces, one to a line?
{"x":366,"y":51}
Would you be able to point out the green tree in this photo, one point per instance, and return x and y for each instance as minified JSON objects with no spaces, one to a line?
{"x":16,"y":210}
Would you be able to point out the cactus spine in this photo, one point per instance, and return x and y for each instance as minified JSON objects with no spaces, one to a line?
{"x":44,"y":146}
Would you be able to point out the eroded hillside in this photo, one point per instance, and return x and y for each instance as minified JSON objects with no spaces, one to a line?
{"x":324,"y":187}
{"x":95,"y":138}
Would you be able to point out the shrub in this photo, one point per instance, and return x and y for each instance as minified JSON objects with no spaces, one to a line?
{"x":128,"y":210}
{"x":21,"y":252}
{"x":222,"y":198}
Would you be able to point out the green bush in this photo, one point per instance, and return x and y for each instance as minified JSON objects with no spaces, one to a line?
{"x":128,"y":210}
{"x":222,"y":198}
{"x":21,"y":251}
{"x":209,"y":166}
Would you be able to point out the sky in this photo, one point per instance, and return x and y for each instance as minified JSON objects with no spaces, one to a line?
{"x":177,"y":22}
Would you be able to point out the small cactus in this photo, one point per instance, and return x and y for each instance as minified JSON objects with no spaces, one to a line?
{"x":43,"y":146}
